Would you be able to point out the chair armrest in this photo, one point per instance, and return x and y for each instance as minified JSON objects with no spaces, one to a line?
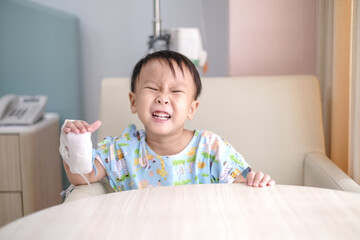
{"x":320,"y":171}
{"x":84,"y":191}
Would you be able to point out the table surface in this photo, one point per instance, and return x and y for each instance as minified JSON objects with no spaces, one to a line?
{"x":214,"y":211}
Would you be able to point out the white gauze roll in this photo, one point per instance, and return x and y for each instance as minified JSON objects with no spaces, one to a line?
{"x":76,"y":150}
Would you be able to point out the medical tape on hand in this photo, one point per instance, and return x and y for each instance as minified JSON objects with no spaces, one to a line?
{"x":76,"y":151}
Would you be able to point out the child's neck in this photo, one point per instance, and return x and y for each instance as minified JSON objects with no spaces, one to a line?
{"x":169,"y":145}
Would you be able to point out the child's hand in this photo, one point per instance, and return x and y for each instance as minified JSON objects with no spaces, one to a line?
{"x":81,"y":126}
{"x":259,"y":179}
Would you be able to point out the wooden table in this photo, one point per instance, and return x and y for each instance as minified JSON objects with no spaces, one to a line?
{"x":215,"y":211}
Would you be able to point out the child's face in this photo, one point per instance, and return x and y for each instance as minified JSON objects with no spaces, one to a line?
{"x":163,"y":101}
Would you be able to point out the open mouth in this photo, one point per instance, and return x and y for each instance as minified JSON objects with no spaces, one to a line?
{"x":161,"y":115}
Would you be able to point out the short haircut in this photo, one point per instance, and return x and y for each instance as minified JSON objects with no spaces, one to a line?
{"x":168,"y":57}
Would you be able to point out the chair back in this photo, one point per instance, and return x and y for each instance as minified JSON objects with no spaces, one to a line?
{"x":273,"y":121}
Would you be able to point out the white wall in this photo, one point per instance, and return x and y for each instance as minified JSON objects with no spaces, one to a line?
{"x":114,"y":35}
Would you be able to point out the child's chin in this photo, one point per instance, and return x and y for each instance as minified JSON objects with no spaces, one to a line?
{"x":159,"y":129}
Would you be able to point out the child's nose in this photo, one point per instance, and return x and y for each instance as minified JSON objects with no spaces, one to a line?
{"x":162,"y":99}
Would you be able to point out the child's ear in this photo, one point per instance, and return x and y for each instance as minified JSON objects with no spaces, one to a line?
{"x":192,"y":110}
{"x":132,"y":98}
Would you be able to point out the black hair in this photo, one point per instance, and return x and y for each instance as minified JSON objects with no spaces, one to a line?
{"x":168,"y":57}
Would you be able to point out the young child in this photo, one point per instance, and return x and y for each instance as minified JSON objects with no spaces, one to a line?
{"x":165,"y":87}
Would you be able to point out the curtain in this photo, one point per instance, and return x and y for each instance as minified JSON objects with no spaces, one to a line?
{"x":354,"y":140}
{"x":339,"y":146}
{"x":338,"y":71}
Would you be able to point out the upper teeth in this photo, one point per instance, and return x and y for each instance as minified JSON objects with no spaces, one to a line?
{"x":161,"y":115}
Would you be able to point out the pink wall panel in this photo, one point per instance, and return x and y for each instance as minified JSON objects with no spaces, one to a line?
{"x":272,"y":37}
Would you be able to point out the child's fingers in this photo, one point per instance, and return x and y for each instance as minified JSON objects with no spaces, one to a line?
{"x":250,"y":178}
{"x":94,"y":126}
{"x":76,"y":127}
{"x":67,"y":130}
{"x":266,"y":179}
{"x":271,"y":182}
{"x":258,"y":177}
{"x":70,"y":127}
{"x":81,"y":126}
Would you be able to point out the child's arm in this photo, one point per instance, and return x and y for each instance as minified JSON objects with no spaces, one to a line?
{"x":255,"y":179}
{"x":77,"y":152}
{"x":76,"y":179}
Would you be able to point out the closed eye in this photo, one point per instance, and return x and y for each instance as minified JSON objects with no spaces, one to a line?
{"x":151,"y":88}
{"x":177,"y":91}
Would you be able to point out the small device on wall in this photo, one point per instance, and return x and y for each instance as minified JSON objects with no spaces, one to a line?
{"x":21,"y":110}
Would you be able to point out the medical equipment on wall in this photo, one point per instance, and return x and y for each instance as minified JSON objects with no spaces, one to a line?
{"x":186,"y":41}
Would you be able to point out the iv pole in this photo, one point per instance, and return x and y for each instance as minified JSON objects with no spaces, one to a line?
{"x":157,"y":20}
{"x":157,"y":35}
{"x":160,"y":40}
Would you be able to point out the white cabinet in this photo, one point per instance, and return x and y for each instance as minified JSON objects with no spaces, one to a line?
{"x":30,"y":168}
